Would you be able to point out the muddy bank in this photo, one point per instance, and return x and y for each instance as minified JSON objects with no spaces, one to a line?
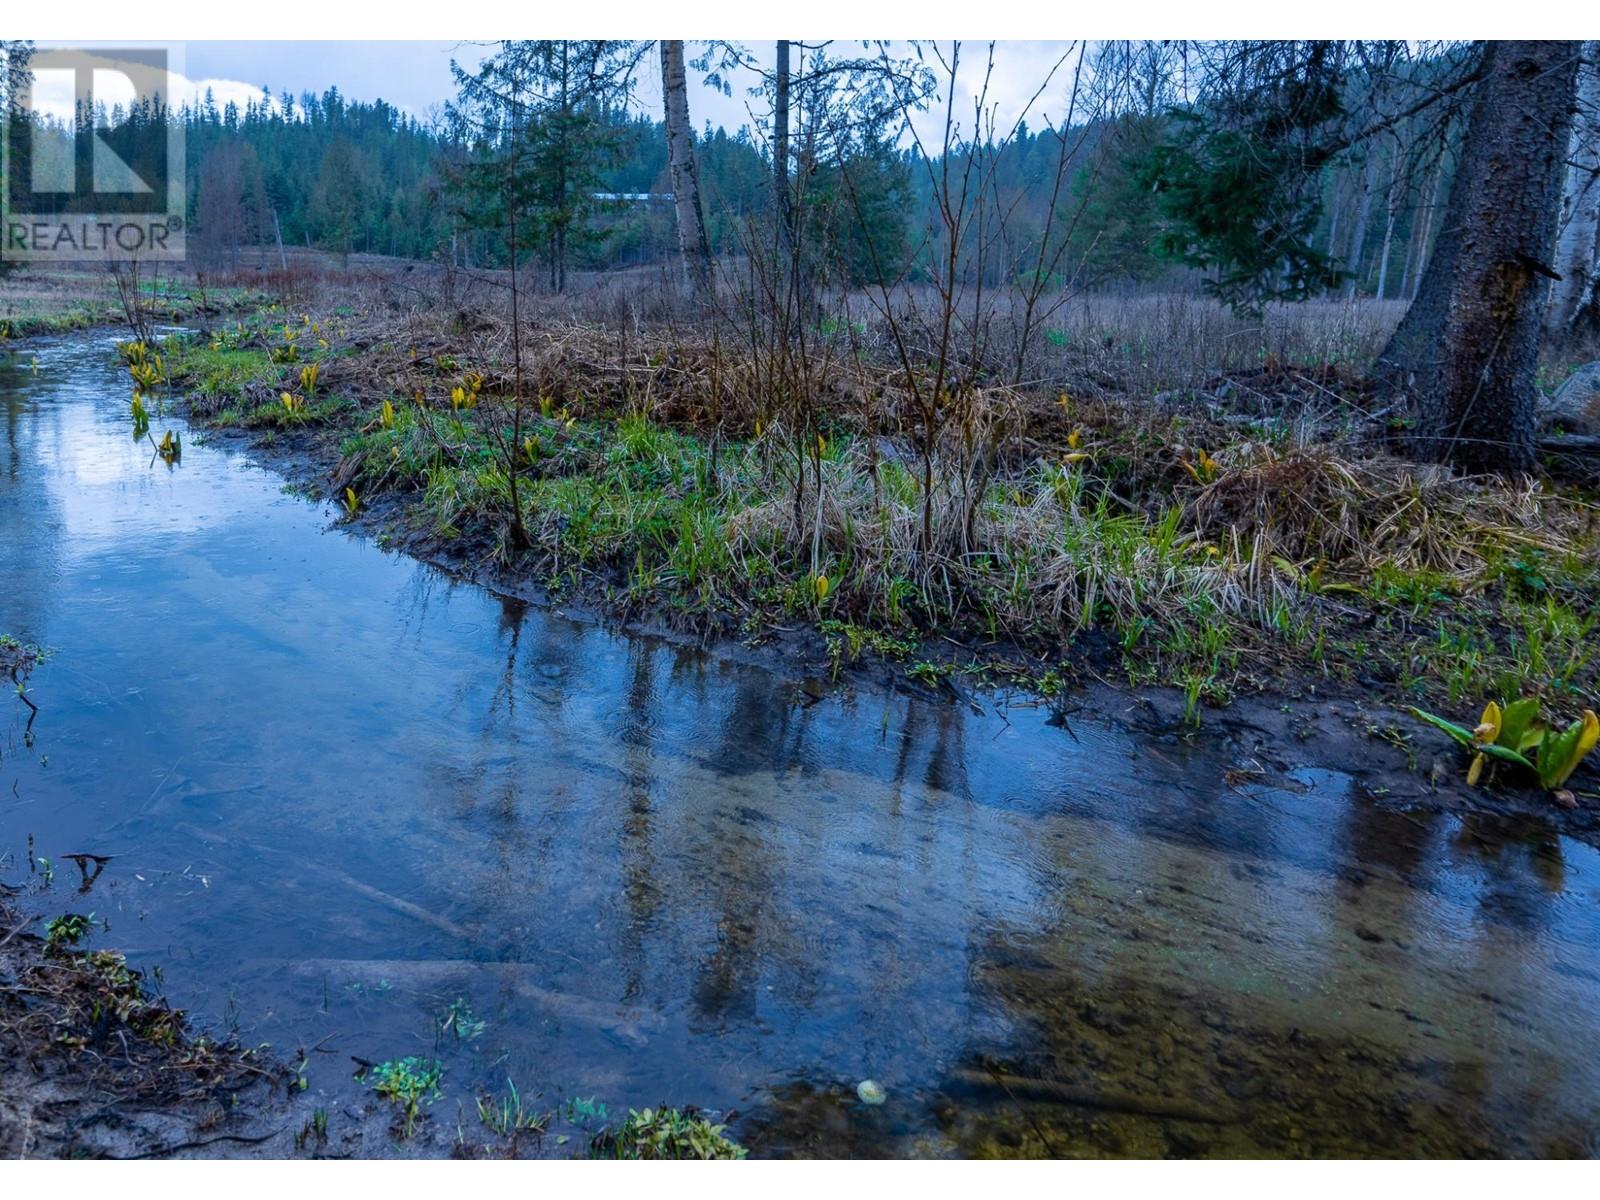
{"x":1296,"y":721}
{"x":93,"y":1065}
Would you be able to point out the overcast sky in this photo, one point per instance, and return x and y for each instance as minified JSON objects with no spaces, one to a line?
{"x":415,"y":76}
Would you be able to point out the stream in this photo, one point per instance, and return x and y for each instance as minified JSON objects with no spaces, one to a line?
{"x":354,"y":804}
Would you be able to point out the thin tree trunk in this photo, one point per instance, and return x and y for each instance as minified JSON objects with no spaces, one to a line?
{"x":1425,"y":254}
{"x":1358,"y":237}
{"x":780,"y":150}
{"x":277,"y":236}
{"x":1467,"y":350}
{"x":692,"y":239}
{"x":558,"y":269}
{"x":1575,"y":248}
{"x":1408,"y":262}
{"x":1417,"y":238}
{"x":1336,"y":211}
{"x":1391,"y":203}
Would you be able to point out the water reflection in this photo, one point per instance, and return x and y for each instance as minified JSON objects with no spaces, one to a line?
{"x":344,"y":793}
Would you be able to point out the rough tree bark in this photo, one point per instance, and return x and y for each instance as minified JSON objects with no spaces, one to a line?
{"x":1575,"y":246}
{"x":692,"y":240}
{"x":1466,"y":352}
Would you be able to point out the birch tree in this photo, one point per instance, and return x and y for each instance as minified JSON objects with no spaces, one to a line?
{"x":1580,"y":217}
{"x":692,"y":241}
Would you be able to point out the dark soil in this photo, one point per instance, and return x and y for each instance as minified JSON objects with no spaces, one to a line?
{"x":93,"y":1064}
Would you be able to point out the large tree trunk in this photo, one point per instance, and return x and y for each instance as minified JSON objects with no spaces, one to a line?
{"x":1575,"y":246}
{"x":1467,"y":350}
{"x":685,"y":174}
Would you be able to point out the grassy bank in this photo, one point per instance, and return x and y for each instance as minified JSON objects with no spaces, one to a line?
{"x":42,"y":301}
{"x":1218,"y":547}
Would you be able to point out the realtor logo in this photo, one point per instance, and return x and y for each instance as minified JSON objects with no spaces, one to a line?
{"x":94,"y":166}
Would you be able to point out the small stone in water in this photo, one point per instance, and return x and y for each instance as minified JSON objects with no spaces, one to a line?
{"x":871,"y":1092}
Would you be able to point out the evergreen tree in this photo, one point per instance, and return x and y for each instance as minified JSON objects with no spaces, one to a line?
{"x":339,"y":203}
{"x":535,"y":116}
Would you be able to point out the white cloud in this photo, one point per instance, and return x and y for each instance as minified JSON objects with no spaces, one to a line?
{"x":223,"y":91}
{"x":53,"y":89}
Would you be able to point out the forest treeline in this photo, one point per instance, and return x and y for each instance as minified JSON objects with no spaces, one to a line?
{"x":347,"y":176}
{"x":352,"y":176}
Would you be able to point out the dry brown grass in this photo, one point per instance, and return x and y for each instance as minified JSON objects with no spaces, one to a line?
{"x":1324,"y":504}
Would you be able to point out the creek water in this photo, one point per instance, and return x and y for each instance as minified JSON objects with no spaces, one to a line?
{"x":353,"y":804}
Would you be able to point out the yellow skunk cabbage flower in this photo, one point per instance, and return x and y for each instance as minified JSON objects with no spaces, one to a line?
{"x":350,"y":501}
{"x":1560,"y":754}
{"x":1516,"y":734}
{"x":1488,"y":728}
{"x":1074,"y":439}
{"x":822,"y":585}
{"x":1487,"y":732}
{"x":386,"y":415}
{"x":1204,"y":468}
